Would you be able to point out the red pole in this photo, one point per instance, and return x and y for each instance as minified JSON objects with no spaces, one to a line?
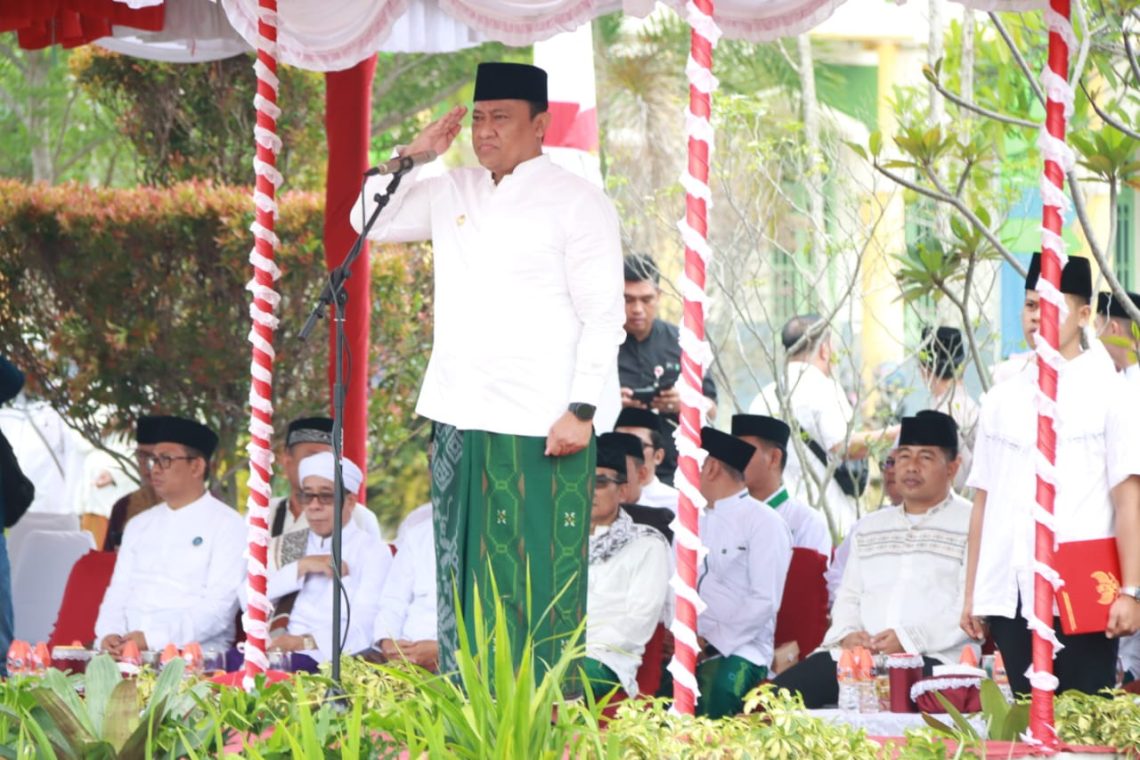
{"x":265,"y":300}
{"x":695,"y":354}
{"x":348,"y":120}
{"x":1043,"y":682}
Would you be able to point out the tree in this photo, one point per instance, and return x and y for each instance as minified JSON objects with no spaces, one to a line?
{"x":978,"y":170}
{"x":49,"y":132}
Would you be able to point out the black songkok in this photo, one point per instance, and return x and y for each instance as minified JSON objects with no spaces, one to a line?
{"x":510,"y":81}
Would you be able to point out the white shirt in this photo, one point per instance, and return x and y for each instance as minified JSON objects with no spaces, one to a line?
{"x":1098,"y":416}
{"x":658,"y":494}
{"x":625,"y":600}
{"x":408,"y":601}
{"x":362,"y":517}
{"x":420,"y":514}
{"x":907,"y":573}
{"x":834,"y":573}
{"x":529,"y":302}
{"x":51,"y":454}
{"x":742,"y":578}
{"x":808,"y":526}
{"x":1013,"y":366}
{"x":957,"y":403}
{"x":177,"y":576}
{"x":368,"y":559}
{"x":821,"y":410}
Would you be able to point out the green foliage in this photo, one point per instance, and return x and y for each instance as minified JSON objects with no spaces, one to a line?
{"x":106,"y":722}
{"x":120,"y":302}
{"x":50,"y":132}
{"x":1109,"y":719}
{"x":195,"y":121}
{"x":492,"y":708}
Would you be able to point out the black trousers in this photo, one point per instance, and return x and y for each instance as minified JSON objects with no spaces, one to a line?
{"x":815,"y":679}
{"x":1086,"y":664}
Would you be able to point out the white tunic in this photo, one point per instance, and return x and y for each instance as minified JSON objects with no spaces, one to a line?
{"x":822,"y":411}
{"x":177,"y":576}
{"x":408,"y":601}
{"x":529,"y":302}
{"x":657,"y":494}
{"x":957,"y":403}
{"x":808,"y":526}
{"x":368,"y":559}
{"x":907,"y":575}
{"x":624,"y":602}
{"x":1098,"y":415}
{"x":742,"y":578}
{"x":363,"y":517}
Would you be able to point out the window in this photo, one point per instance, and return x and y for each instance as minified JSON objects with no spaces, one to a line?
{"x":1123,"y":255}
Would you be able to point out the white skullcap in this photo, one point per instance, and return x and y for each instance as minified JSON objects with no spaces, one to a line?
{"x":321,"y":465}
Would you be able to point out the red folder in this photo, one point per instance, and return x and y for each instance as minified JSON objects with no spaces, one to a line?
{"x":1091,"y":571}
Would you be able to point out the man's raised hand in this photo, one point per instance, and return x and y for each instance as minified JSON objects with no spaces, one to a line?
{"x":438,"y":135}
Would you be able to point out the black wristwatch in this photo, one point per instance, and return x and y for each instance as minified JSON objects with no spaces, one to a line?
{"x":584,"y":412}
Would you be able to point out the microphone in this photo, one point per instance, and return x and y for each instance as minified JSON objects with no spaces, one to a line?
{"x":402,"y":164}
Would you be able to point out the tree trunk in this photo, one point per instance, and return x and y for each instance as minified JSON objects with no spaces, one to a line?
{"x":813,"y":184}
{"x":36,"y":116}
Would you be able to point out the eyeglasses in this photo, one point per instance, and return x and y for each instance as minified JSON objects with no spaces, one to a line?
{"x":606,"y":480}
{"x":887,"y":463}
{"x":325,"y":498}
{"x":161,"y":461}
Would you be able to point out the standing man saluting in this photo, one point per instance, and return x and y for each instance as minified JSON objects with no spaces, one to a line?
{"x":528,"y":320}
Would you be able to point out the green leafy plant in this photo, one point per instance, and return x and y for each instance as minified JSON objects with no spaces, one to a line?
{"x":492,"y":708}
{"x":106,"y":721}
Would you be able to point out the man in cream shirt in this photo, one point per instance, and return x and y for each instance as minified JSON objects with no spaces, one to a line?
{"x":182,"y":561}
{"x":903,"y":580}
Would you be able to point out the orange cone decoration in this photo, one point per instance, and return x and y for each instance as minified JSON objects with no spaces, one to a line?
{"x":968,"y":657}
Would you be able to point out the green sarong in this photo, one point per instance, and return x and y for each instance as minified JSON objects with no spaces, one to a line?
{"x":502,"y":509}
{"x":724,"y":681}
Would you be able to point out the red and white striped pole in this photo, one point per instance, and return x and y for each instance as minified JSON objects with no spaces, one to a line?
{"x":1058,"y":160}
{"x":261,"y":312}
{"x":696,"y":356}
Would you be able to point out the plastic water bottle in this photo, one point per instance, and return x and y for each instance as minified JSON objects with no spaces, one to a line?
{"x":1001,"y":679}
{"x":865,"y":678}
{"x":845,"y":675}
{"x":19,"y":658}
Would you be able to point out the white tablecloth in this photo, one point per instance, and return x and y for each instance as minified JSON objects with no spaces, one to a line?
{"x":888,"y":723}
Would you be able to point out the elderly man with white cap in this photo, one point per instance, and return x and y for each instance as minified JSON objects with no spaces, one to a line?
{"x":303,"y":571}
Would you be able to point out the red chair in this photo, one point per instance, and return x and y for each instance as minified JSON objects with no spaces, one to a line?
{"x":649,"y":674}
{"x":82,"y":597}
{"x":803,"y":610}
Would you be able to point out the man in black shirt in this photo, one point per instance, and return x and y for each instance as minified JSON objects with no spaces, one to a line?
{"x":649,"y":362}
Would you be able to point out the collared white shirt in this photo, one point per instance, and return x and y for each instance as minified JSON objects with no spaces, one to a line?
{"x":177,"y":576}
{"x":1013,"y":366}
{"x":822,"y":411}
{"x":907,"y":572}
{"x":957,"y":403}
{"x":408,"y":601}
{"x":743,"y":575}
{"x":625,"y":600}
{"x":421,"y":514}
{"x":529,"y":303}
{"x":362,"y":517}
{"x":808,"y":526}
{"x":658,"y":494}
{"x":1098,"y":416}
{"x":50,"y":452}
{"x":368,"y":559}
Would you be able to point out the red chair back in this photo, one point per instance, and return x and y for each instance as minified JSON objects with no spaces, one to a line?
{"x":82,"y":597}
{"x":803,"y":610}
{"x":649,"y":674}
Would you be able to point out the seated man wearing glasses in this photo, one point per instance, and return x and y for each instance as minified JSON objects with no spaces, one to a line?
{"x":301,"y":568}
{"x":627,"y":583}
{"x":180,"y":564}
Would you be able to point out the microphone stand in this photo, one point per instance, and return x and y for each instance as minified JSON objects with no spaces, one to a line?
{"x":336,"y":295}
